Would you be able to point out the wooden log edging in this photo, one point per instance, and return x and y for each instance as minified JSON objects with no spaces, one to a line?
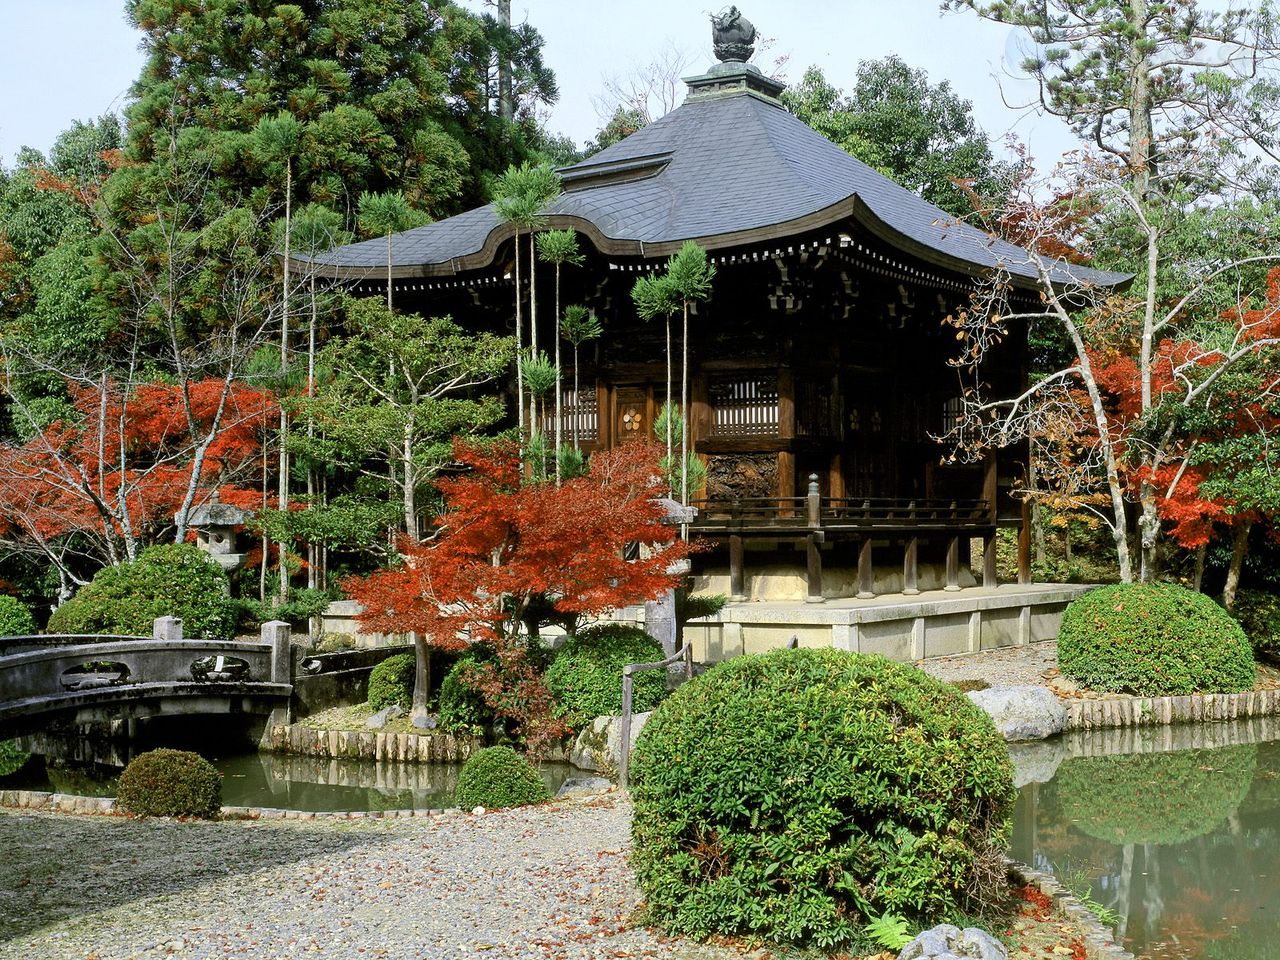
{"x":45,"y":802}
{"x":1157,"y":711}
{"x":1099,"y":939}
{"x":369,"y":744}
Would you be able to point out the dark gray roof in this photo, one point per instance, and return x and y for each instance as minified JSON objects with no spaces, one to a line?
{"x":727,"y":170}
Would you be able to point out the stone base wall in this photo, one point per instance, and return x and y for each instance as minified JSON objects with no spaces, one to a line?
{"x":370,"y":745}
{"x":1099,"y":939}
{"x":1155,"y":711}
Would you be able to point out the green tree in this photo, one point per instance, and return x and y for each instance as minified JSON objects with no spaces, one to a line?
{"x":559,"y":247}
{"x":623,"y":123}
{"x":689,"y":275}
{"x":655,"y":297}
{"x":919,"y":134}
{"x":384,"y":215}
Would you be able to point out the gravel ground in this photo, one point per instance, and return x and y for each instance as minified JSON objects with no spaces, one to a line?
{"x":544,"y":882}
{"x":1008,"y":665}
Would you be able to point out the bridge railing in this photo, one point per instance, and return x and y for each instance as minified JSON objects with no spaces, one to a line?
{"x":53,"y":672}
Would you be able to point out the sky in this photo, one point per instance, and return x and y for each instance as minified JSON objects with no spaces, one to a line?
{"x":62,"y":60}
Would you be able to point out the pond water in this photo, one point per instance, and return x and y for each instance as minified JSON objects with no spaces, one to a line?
{"x":1175,"y":830}
{"x":252,"y":779}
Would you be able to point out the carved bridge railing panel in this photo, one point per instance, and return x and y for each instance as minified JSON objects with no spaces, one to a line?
{"x":59,"y":670}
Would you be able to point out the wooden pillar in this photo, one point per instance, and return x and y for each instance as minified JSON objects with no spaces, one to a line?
{"x":990,"y":484}
{"x":786,"y":478}
{"x":1024,"y":544}
{"x":835,"y":477}
{"x":786,"y":403}
{"x":737,"y":570}
{"x":699,"y":423}
{"x":989,"y":576}
{"x":813,"y":543}
{"x":605,"y":415}
{"x":866,"y":573}
{"x":911,"y":567}
{"x":953,"y":563}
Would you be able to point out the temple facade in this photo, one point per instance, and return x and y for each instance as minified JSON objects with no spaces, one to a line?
{"x":819,"y":368}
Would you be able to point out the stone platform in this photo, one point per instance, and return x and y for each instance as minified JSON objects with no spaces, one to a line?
{"x":935,"y":623}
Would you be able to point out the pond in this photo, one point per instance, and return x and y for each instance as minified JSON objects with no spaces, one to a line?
{"x":252,"y":779}
{"x":1175,"y":830}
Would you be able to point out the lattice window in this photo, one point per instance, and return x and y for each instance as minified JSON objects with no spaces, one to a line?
{"x":583,"y":410}
{"x":744,"y":406}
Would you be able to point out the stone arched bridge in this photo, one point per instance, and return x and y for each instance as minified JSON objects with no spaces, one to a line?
{"x":87,"y":679}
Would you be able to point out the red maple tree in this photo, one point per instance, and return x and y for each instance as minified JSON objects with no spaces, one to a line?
{"x":503,"y":547}
{"x":111,"y":474}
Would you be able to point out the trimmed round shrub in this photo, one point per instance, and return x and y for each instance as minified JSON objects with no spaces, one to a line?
{"x":797,"y":795}
{"x":170,"y":783}
{"x":171,"y":580}
{"x":462,"y":708}
{"x":392,"y":682}
{"x":1153,"y":639}
{"x":498,"y":777}
{"x":1160,"y":798}
{"x":586,"y":675}
{"x":1259,"y":615}
{"x":15,"y":618}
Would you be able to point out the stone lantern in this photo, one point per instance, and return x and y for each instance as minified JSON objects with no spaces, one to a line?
{"x":215,"y":525}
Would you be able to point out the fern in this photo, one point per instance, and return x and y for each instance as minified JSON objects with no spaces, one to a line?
{"x":889,"y":931}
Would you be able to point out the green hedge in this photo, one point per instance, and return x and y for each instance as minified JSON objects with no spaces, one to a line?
{"x":462,"y":709}
{"x":15,"y":618}
{"x":1259,"y":615}
{"x":392,"y":682}
{"x":1160,"y":798}
{"x":176,"y":580}
{"x":586,"y":675}
{"x":170,"y":783}
{"x":12,"y":757}
{"x":498,"y":777}
{"x":1153,"y":639}
{"x":797,"y":795}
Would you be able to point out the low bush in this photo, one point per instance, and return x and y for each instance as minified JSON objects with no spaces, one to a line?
{"x":176,"y":580}
{"x":1116,"y":798}
{"x":498,"y":777}
{"x":12,"y":757}
{"x":392,"y":682}
{"x":1259,"y":615}
{"x":170,"y":783}
{"x":462,"y":708}
{"x":799,"y":795}
{"x":586,"y":676}
{"x":15,"y":618}
{"x":1153,"y":639}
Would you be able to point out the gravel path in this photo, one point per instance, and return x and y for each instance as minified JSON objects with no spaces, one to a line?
{"x":1007,"y":665}
{"x":545,"y":882}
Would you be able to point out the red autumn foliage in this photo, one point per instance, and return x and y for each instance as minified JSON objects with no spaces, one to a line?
{"x":125,"y":457}
{"x":501,"y":546}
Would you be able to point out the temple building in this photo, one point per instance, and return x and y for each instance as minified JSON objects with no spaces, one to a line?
{"x":819,"y":367}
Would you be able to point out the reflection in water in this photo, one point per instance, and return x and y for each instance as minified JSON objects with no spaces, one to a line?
{"x":1177,"y":830}
{"x":252,"y":779}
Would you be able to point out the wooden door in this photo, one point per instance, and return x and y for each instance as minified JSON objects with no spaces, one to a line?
{"x":633,"y":414}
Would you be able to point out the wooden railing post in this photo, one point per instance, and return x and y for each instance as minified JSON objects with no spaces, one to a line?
{"x":167,"y":628}
{"x":813,"y":502}
{"x":814,"y":566}
{"x":624,"y":745}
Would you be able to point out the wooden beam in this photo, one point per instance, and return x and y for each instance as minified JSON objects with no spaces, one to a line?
{"x":866,"y":573}
{"x":737,"y":570}
{"x":953,"y":563}
{"x":911,"y":567}
{"x":814,"y":567}
{"x":1024,"y":544}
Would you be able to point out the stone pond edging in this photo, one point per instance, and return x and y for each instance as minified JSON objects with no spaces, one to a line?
{"x":436,"y":747}
{"x":1097,"y":714}
{"x":106,"y":806}
{"x":1099,"y":939}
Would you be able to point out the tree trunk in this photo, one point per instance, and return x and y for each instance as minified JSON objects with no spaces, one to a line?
{"x":410,"y":483}
{"x":684,"y":409}
{"x":282,"y":494}
{"x":1037,"y":532}
{"x":312,"y":552}
{"x":1240,"y":528}
{"x":506,"y":104}
{"x":667,"y":407}
{"x":388,"y":270}
{"x":577,"y":398}
{"x":421,"y":677}
{"x":519,"y":351}
{"x":533,"y":295}
{"x":1197,"y":578}
{"x":559,"y":391}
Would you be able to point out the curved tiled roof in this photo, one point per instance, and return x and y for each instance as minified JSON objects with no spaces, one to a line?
{"x":725,"y":169}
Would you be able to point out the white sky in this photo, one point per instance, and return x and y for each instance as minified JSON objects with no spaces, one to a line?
{"x":62,"y":60}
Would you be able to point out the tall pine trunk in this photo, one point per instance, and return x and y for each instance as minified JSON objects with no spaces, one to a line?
{"x":684,"y":410}
{"x":559,"y":391}
{"x":282,"y":492}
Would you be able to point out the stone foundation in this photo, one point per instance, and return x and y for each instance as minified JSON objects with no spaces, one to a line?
{"x":370,"y":745}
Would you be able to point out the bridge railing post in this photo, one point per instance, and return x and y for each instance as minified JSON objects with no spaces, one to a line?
{"x":167,"y":628}
{"x":276,"y":633}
